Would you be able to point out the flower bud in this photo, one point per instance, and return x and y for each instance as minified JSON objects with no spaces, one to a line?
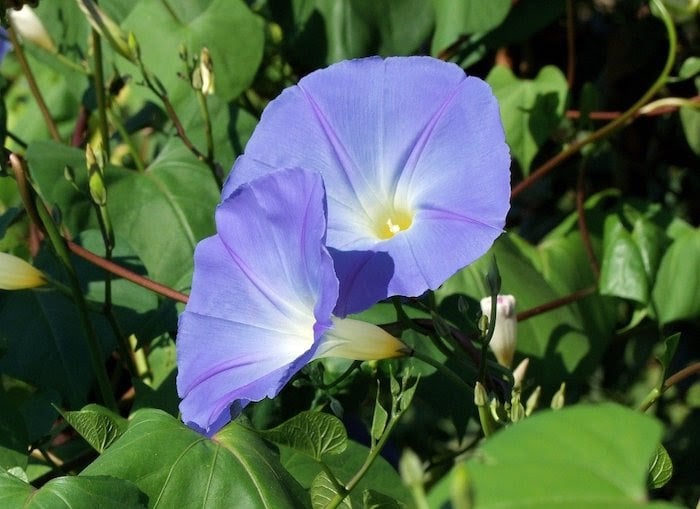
{"x":108,"y":28}
{"x":519,"y":372}
{"x":504,"y":337}
{"x":30,"y":28}
{"x":206,"y":71}
{"x":17,"y":274}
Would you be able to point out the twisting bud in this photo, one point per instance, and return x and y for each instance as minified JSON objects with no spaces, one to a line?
{"x":17,"y":274}
{"x":504,"y":338}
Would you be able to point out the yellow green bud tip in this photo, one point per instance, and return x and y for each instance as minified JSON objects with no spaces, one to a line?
{"x":17,"y":274}
{"x":360,"y":341}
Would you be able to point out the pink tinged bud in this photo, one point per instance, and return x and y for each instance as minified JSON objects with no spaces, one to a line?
{"x":504,"y":338}
{"x":17,"y":274}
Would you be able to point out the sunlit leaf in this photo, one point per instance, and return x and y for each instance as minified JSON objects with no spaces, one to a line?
{"x":531,"y":109}
{"x":582,"y":457}
{"x":454,"y":19}
{"x":181,"y":468}
{"x":381,"y":477}
{"x":323,"y":491}
{"x":98,"y":425}
{"x":310,"y":433}
{"x":196,"y":25}
{"x":71,"y":493}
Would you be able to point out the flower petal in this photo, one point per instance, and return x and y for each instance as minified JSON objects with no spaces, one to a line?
{"x":398,"y":141}
{"x":262,"y":294}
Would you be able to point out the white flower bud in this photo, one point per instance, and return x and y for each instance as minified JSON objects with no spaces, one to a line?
{"x":30,"y":28}
{"x":504,"y":337}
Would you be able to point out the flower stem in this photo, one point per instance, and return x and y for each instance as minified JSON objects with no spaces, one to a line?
{"x":33,"y":87}
{"x":447,"y":372}
{"x":96,"y":356}
{"x":656,"y":393}
{"x":99,"y":83}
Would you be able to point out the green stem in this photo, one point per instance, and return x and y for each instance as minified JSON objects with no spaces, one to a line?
{"x":33,"y":87}
{"x":620,"y":121}
{"x":96,"y":357}
{"x":204,"y":109}
{"x":672,"y":380}
{"x":170,"y":11}
{"x":487,"y":339}
{"x":371,"y":457}
{"x":447,"y":372}
{"x":99,"y":83}
{"x":119,"y":126}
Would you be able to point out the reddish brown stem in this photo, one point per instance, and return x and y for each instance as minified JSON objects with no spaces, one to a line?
{"x":582,"y":224}
{"x":127,"y":274}
{"x":563,"y":301}
{"x":570,"y":44}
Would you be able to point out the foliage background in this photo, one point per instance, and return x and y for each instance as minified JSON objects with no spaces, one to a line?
{"x":602,"y":251}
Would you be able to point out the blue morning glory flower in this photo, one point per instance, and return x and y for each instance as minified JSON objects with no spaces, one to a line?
{"x":414,"y":160}
{"x":263,"y":291}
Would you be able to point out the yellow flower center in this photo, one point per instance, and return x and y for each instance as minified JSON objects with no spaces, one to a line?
{"x":391,"y":223}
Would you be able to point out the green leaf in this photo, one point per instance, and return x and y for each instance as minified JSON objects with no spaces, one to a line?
{"x":322,"y":32}
{"x":454,"y":19}
{"x":689,"y":68}
{"x":99,"y":426}
{"x":177,"y":467}
{"x":323,"y":491}
{"x":675,"y":292}
{"x":311,"y":433}
{"x":670,"y":346}
{"x":581,"y":457}
{"x":622,"y":271}
{"x":531,"y":109}
{"x":196,"y":25}
{"x":14,"y":440}
{"x":651,"y":243}
{"x":690,"y":119}
{"x":381,"y":476}
{"x":176,"y":195}
{"x":661,"y":468}
{"x":71,"y":493}
{"x":379,"y":419}
{"x":31,"y":325}
{"x":374,"y":500}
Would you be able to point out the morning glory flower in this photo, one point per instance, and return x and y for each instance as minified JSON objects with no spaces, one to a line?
{"x":413,"y":155}
{"x":263,"y":291}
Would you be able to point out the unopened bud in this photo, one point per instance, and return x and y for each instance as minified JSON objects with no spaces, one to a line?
{"x":108,"y":29}
{"x":206,"y":70}
{"x":504,"y":338}
{"x":17,"y":274}
{"x":533,"y":401}
{"x":481,"y":397}
{"x":559,"y":397}
{"x":30,"y":28}
{"x":520,"y":371}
